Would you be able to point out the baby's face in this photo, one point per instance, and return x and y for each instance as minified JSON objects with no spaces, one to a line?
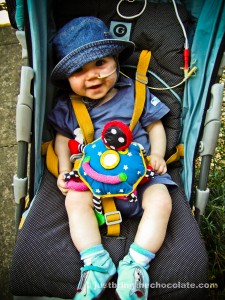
{"x":95,"y":79}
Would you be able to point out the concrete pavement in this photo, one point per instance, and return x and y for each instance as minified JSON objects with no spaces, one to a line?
{"x":10,"y":64}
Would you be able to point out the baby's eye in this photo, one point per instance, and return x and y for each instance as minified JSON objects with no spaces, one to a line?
{"x":100,"y":62}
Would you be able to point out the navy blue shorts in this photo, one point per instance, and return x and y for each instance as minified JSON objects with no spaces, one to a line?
{"x":131,"y":209}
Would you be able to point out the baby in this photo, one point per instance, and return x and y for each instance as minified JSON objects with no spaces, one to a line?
{"x":88,"y":66}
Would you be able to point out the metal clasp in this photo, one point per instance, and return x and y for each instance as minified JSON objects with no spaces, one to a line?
{"x":141,"y":78}
{"x":110,"y":214}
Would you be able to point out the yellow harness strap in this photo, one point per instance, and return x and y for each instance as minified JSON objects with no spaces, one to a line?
{"x":177,"y":155}
{"x":112,"y":216}
{"x":83,"y":119}
{"x":141,"y":81}
{"x":52,"y":161}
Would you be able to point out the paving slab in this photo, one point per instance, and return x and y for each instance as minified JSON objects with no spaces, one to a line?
{"x":10,"y":65}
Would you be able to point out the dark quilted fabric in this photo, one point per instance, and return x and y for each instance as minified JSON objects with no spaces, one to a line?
{"x":45,"y":261}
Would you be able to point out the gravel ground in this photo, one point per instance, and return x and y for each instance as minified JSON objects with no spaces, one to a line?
{"x":10,"y":62}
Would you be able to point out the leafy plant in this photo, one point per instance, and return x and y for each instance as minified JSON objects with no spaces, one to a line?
{"x":3,"y":6}
{"x":213,"y":229}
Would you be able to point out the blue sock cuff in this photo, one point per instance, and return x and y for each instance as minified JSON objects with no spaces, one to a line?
{"x":142,"y":251}
{"x":91,"y":250}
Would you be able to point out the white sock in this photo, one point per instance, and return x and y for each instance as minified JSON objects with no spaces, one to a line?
{"x":88,"y":254}
{"x":140,"y":255}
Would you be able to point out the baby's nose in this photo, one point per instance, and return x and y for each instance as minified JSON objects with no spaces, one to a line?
{"x":92,"y":74}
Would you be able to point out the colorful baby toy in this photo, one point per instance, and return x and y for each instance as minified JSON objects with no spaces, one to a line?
{"x":111,"y":166}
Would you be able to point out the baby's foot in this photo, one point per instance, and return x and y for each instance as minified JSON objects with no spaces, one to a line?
{"x":133,"y":280}
{"x":94,"y":277}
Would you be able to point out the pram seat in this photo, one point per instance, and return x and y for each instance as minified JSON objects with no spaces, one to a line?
{"x":45,"y":261}
{"x":47,"y":264}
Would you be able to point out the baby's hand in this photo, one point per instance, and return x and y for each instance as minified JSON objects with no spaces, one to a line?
{"x":61,"y":183}
{"x":158,"y":164}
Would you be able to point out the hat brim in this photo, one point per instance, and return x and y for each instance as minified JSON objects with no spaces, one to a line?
{"x":87,"y":53}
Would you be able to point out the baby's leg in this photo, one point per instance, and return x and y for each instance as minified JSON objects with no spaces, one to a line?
{"x":98,"y":266}
{"x":82,"y":220}
{"x":157,"y":207}
{"x":148,"y":240}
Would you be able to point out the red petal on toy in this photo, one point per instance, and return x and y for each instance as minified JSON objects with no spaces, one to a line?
{"x":73,"y":146}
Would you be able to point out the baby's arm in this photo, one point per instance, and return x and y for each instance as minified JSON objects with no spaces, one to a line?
{"x":63,"y":153}
{"x":157,"y":138}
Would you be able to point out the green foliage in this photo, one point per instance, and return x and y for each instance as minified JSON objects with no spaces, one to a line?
{"x":3,"y":6}
{"x":213,"y":229}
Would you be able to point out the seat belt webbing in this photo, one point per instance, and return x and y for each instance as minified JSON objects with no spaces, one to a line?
{"x":83,"y":119}
{"x":141,"y":81}
{"x":113,"y":217}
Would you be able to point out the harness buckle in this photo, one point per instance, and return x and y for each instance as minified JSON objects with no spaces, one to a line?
{"x":110,"y":214}
{"x":141,"y":78}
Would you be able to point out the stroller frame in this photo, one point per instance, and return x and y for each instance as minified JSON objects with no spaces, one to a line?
{"x":193,"y":110}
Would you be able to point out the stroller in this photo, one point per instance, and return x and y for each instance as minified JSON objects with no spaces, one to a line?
{"x":45,"y":262}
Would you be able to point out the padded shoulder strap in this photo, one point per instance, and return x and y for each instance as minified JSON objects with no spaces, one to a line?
{"x":141,"y":81}
{"x":83,"y":119}
{"x":112,"y":217}
{"x":177,"y":155}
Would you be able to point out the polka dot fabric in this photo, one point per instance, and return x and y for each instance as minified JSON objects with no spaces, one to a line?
{"x":46,"y":263}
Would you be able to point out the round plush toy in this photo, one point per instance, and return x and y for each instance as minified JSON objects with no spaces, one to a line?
{"x":111,"y":166}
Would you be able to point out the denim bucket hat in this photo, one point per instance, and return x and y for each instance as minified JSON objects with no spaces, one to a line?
{"x":81,"y":41}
